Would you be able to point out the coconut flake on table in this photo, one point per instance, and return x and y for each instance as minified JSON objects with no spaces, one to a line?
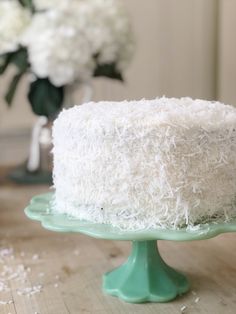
{"x":29,"y":291}
{"x":183,"y":309}
{"x":16,"y":272}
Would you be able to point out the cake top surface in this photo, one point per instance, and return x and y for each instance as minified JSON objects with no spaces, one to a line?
{"x":184,"y":112}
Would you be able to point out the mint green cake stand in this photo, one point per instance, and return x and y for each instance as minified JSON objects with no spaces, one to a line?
{"x":144,"y":277}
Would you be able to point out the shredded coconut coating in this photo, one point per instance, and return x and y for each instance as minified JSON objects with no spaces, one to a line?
{"x":145,"y":164}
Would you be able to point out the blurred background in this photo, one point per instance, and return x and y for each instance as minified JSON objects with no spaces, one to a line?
{"x":183,"y":48}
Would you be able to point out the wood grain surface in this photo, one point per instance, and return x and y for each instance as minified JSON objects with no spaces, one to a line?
{"x":68,"y":268}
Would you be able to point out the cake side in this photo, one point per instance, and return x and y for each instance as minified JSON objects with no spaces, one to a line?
{"x":161,"y":163}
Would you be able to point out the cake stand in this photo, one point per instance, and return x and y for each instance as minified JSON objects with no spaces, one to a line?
{"x":144,"y":277}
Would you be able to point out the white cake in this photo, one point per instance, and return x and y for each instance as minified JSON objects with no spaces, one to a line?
{"x":144,"y":164}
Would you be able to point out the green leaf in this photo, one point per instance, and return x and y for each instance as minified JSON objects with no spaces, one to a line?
{"x":4,"y":62}
{"x":45,"y":98}
{"x":12,"y":88}
{"x":27,"y":3}
{"x":20,"y":59}
{"x":108,"y":70}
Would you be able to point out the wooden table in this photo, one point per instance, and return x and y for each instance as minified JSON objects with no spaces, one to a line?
{"x":69,"y":267}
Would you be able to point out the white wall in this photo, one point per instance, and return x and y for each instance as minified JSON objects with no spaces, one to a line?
{"x":176,"y":50}
{"x":186,"y":47}
{"x":227,"y":52}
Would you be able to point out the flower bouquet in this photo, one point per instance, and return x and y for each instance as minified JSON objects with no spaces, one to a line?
{"x":58,"y":43}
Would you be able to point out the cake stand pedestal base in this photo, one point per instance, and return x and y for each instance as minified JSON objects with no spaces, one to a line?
{"x":21,"y":175}
{"x":145,"y":277}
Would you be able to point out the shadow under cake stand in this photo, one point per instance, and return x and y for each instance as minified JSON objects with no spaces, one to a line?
{"x":144,"y":277}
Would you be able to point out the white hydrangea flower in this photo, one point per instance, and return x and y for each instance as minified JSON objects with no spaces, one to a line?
{"x":63,"y":41}
{"x":13,"y":21}
{"x":110,"y":33}
{"x":56,"y":50}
